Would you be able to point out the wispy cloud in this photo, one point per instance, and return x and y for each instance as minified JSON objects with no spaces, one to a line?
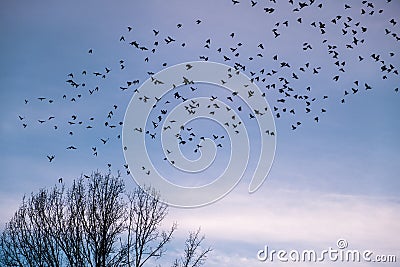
{"x":295,"y":220}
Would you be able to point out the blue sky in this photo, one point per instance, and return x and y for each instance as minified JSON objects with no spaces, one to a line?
{"x":331,"y":179}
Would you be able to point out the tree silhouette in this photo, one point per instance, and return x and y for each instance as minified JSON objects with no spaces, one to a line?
{"x":95,"y":222}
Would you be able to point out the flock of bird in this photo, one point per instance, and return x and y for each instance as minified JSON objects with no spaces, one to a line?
{"x":172,"y":121}
{"x":340,"y":37}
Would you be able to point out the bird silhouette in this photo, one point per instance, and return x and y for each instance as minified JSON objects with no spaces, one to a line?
{"x":336,"y":48}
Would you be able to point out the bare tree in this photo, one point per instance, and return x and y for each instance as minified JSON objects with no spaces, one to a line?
{"x":145,"y":240}
{"x":93,"y":223}
{"x":27,"y":239}
{"x":194,"y":255}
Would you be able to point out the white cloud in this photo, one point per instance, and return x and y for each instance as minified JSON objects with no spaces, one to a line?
{"x":287,"y":219}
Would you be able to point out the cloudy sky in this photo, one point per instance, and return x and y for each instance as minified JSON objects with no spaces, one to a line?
{"x":335,"y":178}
